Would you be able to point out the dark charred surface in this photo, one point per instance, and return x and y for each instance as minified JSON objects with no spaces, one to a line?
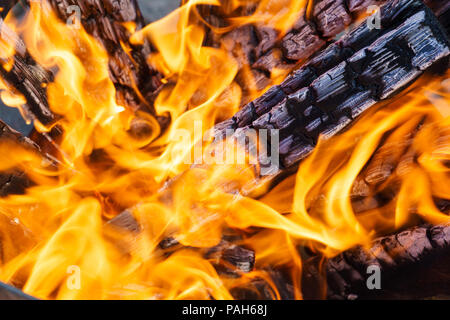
{"x":349,"y":76}
{"x":14,"y":181}
{"x":137,"y":83}
{"x":104,"y":20}
{"x":413,"y":263}
{"x":27,"y":77}
{"x":266,"y":51}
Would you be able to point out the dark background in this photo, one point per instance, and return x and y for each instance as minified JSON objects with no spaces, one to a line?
{"x":151,"y":9}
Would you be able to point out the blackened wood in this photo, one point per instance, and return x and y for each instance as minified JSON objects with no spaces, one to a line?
{"x":231,"y":259}
{"x":228,"y":258}
{"x":442,"y":11}
{"x":335,"y":54}
{"x":413,"y":264}
{"x":5,"y":6}
{"x":345,"y":79}
{"x":331,"y":17}
{"x":306,"y":36}
{"x":362,"y":5}
{"x":132,"y":76}
{"x":276,"y":285}
{"x":26,"y":76}
{"x":14,"y":181}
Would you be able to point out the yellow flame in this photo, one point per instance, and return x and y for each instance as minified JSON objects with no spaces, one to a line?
{"x":68,"y":250}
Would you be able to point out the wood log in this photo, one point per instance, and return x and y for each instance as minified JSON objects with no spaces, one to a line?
{"x":413,"y":263}
{"x":306,"y":37}
{"x":14,"y":181}
{"x":228,"y":258}
{"x":137,"y":83}
{"x":26,"y":76}
{"x":346,"y":78}
{"x":261,"y":289}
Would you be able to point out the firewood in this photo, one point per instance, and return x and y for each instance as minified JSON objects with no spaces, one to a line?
{"x":14,"y":181}
{"x":413,"y":264}
{"x":275,"y":286}
{"x":348,"y":77}
{"x":228,"y":258}
{"x":26,"y":76}
{"x":306,"y":37}
{"x":231,"y":259}
{"x":104,"y":20}
{"x":137,"y":83}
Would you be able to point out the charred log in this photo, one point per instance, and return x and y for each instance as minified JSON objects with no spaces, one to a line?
{"x":348,"y":77}
{"x":231,"y":259}
{"x":137,"y":83}
{"x":413,"y":264}
{"x":308,"y":35}
{"x":228,"y":258}
{"x":26,"y":76}
{"x":14,"y":181}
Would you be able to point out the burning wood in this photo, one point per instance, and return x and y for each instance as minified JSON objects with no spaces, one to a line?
{"x":25,"y":76}
{"x":118,"y":204}
{"x":14,"y":181}
{"x":348,"y":77}
{"x":226,"y":257}
{"x":268,"y":53}
{"x":136,"y":82}
{"x":420,"y":253}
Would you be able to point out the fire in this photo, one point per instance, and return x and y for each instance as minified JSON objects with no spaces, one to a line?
{"x":68,"y":246}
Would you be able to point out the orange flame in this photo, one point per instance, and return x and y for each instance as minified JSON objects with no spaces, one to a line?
{"x":68,"y":251}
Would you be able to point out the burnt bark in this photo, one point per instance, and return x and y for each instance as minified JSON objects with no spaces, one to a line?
{"x":309,"y":34}
{"x":26,"y":77}
{"x":345,"y":79}
{"x":413,"y":264}
{"x":137,"y":83}
{"x":14,"y":181}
